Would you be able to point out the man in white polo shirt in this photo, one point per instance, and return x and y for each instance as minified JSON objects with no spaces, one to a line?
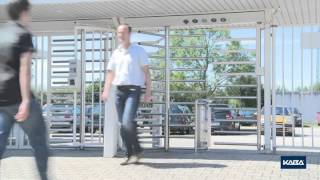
{"x":128,"y":70}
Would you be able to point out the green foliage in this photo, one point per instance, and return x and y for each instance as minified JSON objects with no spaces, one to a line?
{"x":93,"y":89}
{"x":207,"y":50}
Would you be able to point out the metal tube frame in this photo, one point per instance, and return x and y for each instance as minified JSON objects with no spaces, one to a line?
{"x":167,"y":84}
{"x":100,"y":86}
{"x":258,"y":66}
{"x":274,"y":134}
{"x":196,"y":126}
{"x":82,"y":87}
{"x":92,"y":86}
{"x":267,"y":89}
{"x":283,"y":86}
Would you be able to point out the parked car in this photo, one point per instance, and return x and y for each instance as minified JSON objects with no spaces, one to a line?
{"x":62,"y":116}
{"x":247,"y":115}
{"x":60,"y":112}
{"x":284,"y":120}
{"x":180,"y":119}
{"x":96,"y":113}
{"x":144,"y":114}
{"x":223,"y":112}
{"x":297,"y":116}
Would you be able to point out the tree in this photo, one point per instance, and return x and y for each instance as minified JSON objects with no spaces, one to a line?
{"x":96,"y":92}
{"x":200,"y":58}
{"x":207,"y":50}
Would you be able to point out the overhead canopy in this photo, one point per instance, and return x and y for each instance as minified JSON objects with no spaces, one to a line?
{"x":288,"y":12}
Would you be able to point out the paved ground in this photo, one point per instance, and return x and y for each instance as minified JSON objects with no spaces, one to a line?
{"x":177,"y":164}
{"x":221,"y":162}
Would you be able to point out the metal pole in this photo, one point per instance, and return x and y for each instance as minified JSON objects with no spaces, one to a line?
{"x":317,"y":63}
{"x":74,"y":140}
{"x":311,"y":89}
{"x":49,"y":86}
{"x":93,"y":84}
{"x":167,"y":58}
{"x":208,"y":125}
{"x":283,"y":87}
{"x":267,"y":90}
{"x":292,"y":88}
{"x":35,"y":60}
{"x":301,"y":89}
{"x":196,"y":126}
{"x":312,"y":134}
{"x":36,"y":74}
{"x":258,"y":66}
{"x":100,"y":85}
{"x":274,"y":130}
{"x":83,"y":85}
{"x":317,"y":66}
{"x":42,"y":68}
{"x":75,"y":95}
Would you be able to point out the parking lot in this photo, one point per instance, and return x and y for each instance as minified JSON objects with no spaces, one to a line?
{"x":187,"y":141}
{"x":287,"y":140}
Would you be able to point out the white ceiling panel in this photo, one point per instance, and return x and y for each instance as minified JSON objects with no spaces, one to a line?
{"x":290,"y":12}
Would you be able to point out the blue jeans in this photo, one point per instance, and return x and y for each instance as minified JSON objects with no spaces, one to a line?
{"x":127,"y":103}
{"x":34,"y":127}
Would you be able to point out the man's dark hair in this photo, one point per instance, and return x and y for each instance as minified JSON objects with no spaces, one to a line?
{"x":16,"y":7}
{"x":129,"y":27}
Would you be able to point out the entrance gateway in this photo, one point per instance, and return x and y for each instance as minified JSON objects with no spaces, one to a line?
{"x":76,"y":59}
{"x":76,"y":64}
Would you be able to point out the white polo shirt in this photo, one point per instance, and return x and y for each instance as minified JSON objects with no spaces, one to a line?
{"x":128,"y":65}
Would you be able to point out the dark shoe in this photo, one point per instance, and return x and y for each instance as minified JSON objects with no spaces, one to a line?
{"x":43,"y":176}
{"x":126,"y":162}
{"x":136,"y":159}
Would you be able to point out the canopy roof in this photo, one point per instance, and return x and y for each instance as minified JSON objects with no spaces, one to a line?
{"x":288,"y":12}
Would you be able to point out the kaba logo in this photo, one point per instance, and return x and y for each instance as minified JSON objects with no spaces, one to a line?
{"x":293,"y":162}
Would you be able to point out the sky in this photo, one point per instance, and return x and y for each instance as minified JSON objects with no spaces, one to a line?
{"x":296,"y":67}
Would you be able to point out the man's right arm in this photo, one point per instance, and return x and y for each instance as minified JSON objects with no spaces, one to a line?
{"x":107,"y":85}
{"x":109,"y":78}
{"x":26,"y":47}
{"x":25,"y":79}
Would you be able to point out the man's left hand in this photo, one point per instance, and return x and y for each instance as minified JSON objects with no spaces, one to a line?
{"x":23,"y":112}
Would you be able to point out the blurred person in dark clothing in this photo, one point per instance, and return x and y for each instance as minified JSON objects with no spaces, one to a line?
{"x":17,"y":104}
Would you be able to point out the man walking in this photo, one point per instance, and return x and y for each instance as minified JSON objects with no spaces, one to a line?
{"x":128,"y":70}
{"x":17,"y":103}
